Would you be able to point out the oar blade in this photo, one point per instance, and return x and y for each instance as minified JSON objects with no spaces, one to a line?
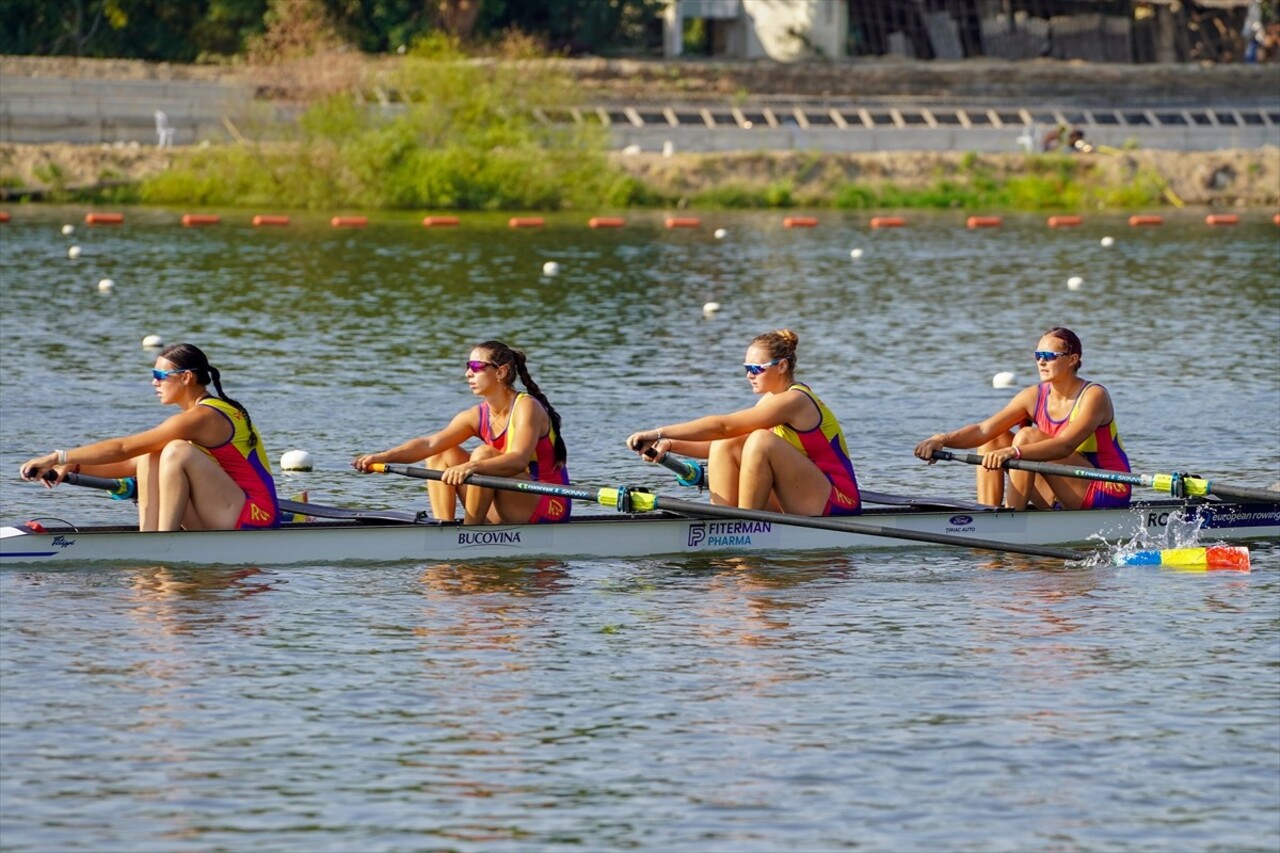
{"x":1212,"y":558}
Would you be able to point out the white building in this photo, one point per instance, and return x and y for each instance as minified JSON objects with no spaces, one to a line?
{"x":782,"y":30}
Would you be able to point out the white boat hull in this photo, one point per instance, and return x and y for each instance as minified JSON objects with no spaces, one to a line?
{"x":606,"y":536}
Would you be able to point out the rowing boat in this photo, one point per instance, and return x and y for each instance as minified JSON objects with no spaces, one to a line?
{"x":374,"y":537}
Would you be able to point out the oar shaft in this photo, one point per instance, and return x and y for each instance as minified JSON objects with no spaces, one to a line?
{"x":644,"y":502}
{"x":1051,"y":469}
{"x":1159,"y":482}
{"x":485,"y":481}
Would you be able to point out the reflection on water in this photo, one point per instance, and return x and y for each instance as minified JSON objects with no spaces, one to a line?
{"x":887,"y":700}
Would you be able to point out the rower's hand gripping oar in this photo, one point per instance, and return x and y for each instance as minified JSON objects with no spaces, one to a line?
{"x":639,"y":501}
{"x":1178,"y":485}
{"x":688,"y":472}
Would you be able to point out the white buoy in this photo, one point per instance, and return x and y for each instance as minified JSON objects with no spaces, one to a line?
{"x":296,"y":460}
{"x":721,"y":233}
{"x":710,"y":308}
{"x":73,"y":252}
{"x":551,"y":268}
{"x":855,"y":253}
{"x":1075,"y":283}
{"x":152,"y":342}
{"x":106,"y":285}
{"x":1003,"y":379}
{"x":68,"y":230}
{"x":1107,"y":241}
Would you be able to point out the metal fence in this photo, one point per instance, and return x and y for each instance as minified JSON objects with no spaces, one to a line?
{"x":1090,"y":30}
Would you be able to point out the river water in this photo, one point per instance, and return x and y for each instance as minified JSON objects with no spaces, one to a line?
{"x":926,"y":699}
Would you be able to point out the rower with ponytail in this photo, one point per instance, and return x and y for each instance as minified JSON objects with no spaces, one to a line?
{"x":520,"y":435}
{"x":202,"y":469}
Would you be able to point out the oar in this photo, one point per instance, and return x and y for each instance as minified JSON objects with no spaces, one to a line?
{"x":126,"y":488}
{"x":1159,"y":482}
{"x":690,"y":473}
{"x":624,"y":499}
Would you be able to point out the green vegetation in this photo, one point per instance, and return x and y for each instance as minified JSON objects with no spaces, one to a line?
{"x":453,"y":141}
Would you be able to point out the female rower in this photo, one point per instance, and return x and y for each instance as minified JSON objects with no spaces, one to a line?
{"x":786,"y":453}
{"x":203,"y":468}
{"x":1064,"y":419}
{"x":520,"y":432}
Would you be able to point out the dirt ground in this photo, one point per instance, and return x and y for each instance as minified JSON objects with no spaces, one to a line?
{"x":1229,"y":178}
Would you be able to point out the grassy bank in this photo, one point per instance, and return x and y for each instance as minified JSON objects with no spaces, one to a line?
{"x":451,"y":140}
{"x":383,"y":171}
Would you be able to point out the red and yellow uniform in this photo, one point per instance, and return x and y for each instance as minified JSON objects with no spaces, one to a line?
{"x":542,"y":466}
{"x":1103,"y":449}
{"x":248,"y":466}
{"x":825,"y":446}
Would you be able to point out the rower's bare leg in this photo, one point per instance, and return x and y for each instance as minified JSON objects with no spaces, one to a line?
{"x":771,"y":466}
{"x":443,"y":497}
{"x":1069,"y":491}
{"x":195,"y":492}
{"x":724,"y":462}
{"x":991,"y":483}
{"x":147,"y":472}
{"x":480,"y":504}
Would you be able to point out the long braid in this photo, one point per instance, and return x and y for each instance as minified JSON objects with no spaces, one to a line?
{"x":501,"y":355}
{"x":191,"y":357}
{"x":248,"y":421}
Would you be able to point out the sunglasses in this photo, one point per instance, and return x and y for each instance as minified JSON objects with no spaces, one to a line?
{"x":162,"y":375}
{"x":477,"y":366}
{"x":1047,"y":355}
{"x":757,"y":369}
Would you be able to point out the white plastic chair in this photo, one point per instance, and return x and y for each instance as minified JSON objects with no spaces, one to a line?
{"x":164,"y":131}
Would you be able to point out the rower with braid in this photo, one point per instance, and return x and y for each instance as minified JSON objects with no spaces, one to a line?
{"x":202,"y":469}
{"x":520,"y":438}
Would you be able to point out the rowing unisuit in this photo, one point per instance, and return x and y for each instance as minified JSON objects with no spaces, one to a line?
{"x":1103,"y":449}
{"x":825,"y":446}
{"x":247,"y":464}
{"x":542,"y":467}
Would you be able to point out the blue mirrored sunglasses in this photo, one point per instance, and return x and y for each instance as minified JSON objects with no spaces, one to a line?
{"x":162,"y":375}
{"x":1047,"y":354}
{"x":757,"y":369}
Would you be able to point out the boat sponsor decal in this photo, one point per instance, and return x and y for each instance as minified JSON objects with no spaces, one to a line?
{"x":730,"y":534}
{"x":61,"y":542}
{"x":469,"y":537}
{"x":1239,"y":516}
{"x":960,"y":524}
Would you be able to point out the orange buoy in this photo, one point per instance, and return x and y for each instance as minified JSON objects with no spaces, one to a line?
{"x":1146,"y":219}
{"x":191,"y":220}
{"x":260,"y":220}
{"x":349,"y":222}
{"x":1276,"y":219}
{"x":606,"y":222}
{"x":526,"y":222}
{"x":103,"y":218}
{"x":1222,"y":219}
{"x":984,"y":222}
{"x":799,"y":222}
{"x":1065,"y":221}
{"x":888,"y":222}
{"x":683,"y":222}
{"x":440,"y":222}
{"x":4,"y":216}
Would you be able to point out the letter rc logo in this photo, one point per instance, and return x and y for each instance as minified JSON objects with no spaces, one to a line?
{"x":697,"y":534}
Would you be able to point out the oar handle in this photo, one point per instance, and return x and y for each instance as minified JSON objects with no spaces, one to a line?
{"x":1159,"y":482}
{"x":123,"y":488}
{"x":688,"y":472}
